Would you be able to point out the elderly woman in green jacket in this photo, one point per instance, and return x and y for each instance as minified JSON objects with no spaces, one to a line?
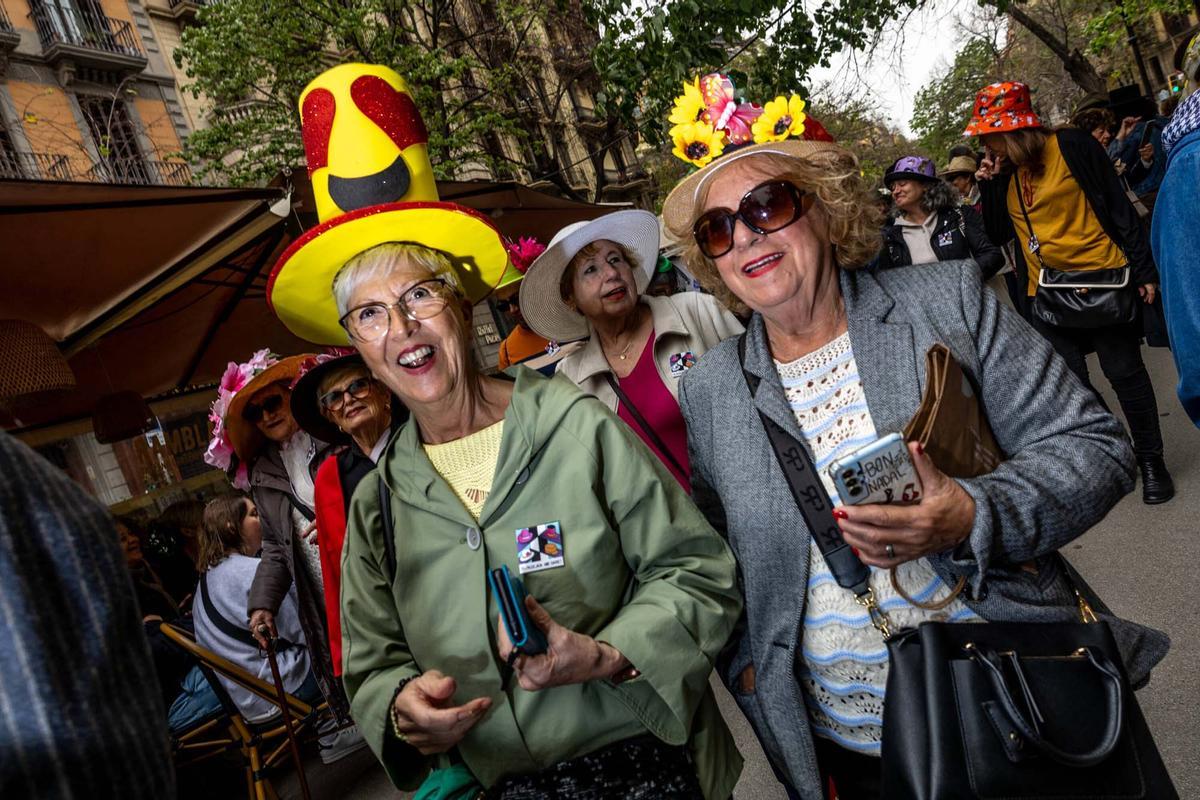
{"x":636,"y":593}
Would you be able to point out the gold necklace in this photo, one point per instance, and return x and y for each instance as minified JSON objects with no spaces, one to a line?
{"x":622,"y":355}
{"x":625,"y":352}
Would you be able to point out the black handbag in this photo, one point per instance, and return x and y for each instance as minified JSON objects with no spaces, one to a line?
{"x":1079,"y":299}
{"x":997,"y":710}
{"x":1014,"y":710}
{"x":1090,"y":299}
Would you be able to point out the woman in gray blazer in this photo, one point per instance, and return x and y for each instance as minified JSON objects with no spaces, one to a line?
{"x":781,"y":228}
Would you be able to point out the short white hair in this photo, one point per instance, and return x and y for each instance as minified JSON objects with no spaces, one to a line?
{"x":381,"y":260}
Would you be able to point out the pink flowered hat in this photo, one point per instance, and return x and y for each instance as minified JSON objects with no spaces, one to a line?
{"x":1002,"y":107}
{"x":235,"y":440}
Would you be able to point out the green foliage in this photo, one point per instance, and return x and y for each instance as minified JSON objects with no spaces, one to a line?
{"x":856,"y":121}
{"x":942,"y":108}
{"x":647,"y":50}
{"x":252,"y":58}
{"x":1106,"y":29}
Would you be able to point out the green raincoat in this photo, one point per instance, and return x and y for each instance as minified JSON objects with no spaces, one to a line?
{"x":643,"y":571}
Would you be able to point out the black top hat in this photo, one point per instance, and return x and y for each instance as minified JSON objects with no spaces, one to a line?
{"x":306,"y":406}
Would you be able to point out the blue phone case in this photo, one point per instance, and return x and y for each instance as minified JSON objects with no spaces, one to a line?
{"x":510,"y":597}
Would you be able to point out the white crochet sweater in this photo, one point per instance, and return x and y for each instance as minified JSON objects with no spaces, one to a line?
{"x":844,"y":669}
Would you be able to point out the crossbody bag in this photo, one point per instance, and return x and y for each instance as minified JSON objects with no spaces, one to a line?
{"x":235,"y":632}
{"x":1078,"y":299}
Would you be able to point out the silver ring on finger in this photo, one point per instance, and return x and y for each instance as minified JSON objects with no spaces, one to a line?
{"x":891,"y":551}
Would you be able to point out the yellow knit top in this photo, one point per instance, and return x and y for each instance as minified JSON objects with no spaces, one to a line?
{"x":469,"y":465}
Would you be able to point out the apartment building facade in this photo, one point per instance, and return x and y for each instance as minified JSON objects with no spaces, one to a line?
{"x":88,"y":92}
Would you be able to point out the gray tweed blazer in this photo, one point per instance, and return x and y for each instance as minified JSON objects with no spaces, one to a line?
{"x":1068,"y":463}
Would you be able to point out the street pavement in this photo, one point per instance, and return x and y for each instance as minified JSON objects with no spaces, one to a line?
{"x":1140,"y":560}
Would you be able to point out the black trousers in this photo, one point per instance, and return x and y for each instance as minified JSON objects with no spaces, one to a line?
{"x":641,"y":768}
{"x":1119,"y":349}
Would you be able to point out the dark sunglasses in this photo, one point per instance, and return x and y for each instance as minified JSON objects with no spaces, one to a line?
{"x":254,"y":412}
{"x":334,"y":399}
{"x":766,"y":208}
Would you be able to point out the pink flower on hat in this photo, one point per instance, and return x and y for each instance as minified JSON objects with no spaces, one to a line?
{"x":220,"y":450}
{"x":523,"y":252}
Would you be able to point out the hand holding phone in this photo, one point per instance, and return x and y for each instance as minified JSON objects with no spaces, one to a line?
{"x":526,"y":638}
{"x":887,"y":535}
{"x":544,"y":654}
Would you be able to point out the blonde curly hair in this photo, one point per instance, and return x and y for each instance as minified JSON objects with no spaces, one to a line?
{"x":843,"y":197}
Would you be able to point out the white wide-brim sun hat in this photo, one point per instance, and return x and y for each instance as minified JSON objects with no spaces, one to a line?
{"x":542,"y":305}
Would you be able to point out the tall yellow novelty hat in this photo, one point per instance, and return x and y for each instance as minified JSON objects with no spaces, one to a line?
{"x":365,"y":143}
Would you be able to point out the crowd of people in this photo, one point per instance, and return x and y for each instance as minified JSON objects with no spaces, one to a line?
{"x":637,"y":494}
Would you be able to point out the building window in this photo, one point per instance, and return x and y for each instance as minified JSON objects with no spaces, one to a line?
{"x":115,"y":139}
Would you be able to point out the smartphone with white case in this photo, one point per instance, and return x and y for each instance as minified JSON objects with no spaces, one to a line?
{"x":880,"y":472}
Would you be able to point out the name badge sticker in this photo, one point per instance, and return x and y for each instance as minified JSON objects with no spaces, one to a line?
{"x":540,"y":547}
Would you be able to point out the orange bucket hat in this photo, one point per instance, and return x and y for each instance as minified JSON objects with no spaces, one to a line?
{"x":1002,"y":107}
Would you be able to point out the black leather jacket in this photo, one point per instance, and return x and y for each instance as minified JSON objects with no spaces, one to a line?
{"x":959,"y":235}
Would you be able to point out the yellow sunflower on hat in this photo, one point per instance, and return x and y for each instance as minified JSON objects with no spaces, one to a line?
{"x":782,"y":118}
{"x":697,"y":142}
{"x":689,"y":105}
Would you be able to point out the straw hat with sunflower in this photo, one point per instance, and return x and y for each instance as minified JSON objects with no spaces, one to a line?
{"x":712,"y":127}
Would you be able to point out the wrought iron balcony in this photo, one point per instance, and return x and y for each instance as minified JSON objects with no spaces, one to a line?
{"x":87,"y":38}
{"x":140,"y":172}
{"x":22,"y":165}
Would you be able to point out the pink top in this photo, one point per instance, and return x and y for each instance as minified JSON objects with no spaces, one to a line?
{"x":658,"y":407}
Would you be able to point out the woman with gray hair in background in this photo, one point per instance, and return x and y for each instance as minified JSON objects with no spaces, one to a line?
{"x":929,"y":223}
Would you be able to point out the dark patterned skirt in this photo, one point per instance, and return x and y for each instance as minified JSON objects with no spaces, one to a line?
{"x":641,"y":768}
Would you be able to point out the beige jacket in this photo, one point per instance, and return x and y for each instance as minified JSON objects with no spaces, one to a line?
{"x":685,"y":324}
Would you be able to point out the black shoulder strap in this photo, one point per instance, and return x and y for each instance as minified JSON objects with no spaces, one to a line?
{"x":226,"y":627}
{"x":811,"y":497}
{"x":641,"y":421}
{"x":304,"y":510}
{"x":389,"y":535}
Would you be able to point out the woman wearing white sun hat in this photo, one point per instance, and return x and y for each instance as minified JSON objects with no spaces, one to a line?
{"x":590,"y":283}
